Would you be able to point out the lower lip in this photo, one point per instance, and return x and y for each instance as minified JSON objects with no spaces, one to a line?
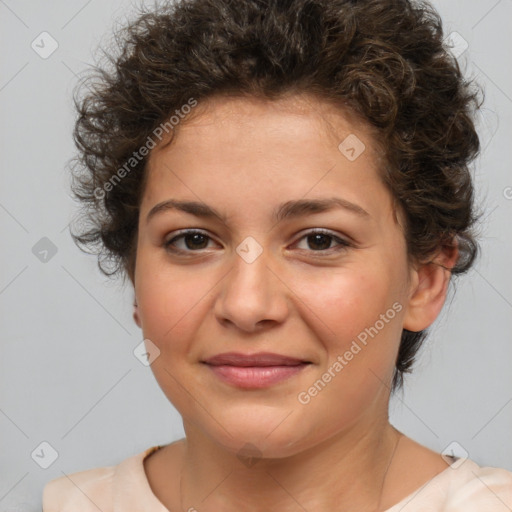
{"x":255,"y":377}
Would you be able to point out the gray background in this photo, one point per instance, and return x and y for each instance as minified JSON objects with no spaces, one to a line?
{"x":68,"y":373}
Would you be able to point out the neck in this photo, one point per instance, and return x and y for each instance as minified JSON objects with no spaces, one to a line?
{"x":346,"y":472}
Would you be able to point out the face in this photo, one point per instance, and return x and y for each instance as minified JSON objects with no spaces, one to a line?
{"x":272,"y":270}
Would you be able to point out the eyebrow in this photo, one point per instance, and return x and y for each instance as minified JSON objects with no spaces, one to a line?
{"x":287,"y":210}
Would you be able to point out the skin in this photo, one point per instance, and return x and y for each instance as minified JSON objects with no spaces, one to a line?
{"x":244,"y":157}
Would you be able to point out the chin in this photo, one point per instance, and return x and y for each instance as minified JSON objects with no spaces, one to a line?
{"x":271,"y":438}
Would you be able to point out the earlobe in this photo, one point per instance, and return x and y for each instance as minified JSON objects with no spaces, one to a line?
{"x":429,"y":286}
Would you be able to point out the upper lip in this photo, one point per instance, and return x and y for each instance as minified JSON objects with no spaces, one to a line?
{"x":259,"y":359}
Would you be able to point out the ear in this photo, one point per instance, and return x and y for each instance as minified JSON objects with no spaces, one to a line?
{"x":136,"y":316}
{"x":428,"y":289}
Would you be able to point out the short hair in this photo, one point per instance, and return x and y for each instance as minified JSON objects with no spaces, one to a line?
{"x":384,"y":60}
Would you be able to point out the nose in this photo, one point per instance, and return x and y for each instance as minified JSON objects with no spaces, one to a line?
{"x":252,"y":296}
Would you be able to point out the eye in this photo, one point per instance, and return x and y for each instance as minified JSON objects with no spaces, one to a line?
{"x":320,"y":240}
{"x":191,"y":240}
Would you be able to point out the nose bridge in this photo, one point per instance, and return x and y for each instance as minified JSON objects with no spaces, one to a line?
{"x":251,"y":292}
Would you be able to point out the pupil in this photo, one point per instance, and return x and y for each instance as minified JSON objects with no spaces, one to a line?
{"x":196,"y":237}
{"x":319,"y":238}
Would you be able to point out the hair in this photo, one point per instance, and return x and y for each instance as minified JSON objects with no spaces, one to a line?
{"x":384,"y":60}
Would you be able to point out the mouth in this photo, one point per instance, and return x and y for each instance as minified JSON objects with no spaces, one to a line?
{"x":255,"y":371}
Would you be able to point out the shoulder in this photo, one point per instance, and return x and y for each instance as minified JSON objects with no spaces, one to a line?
{"x":107,"y":488}
{"x":483,"y":489}
{"x":84,"y":491}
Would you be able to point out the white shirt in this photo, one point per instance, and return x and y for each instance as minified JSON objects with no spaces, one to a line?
{"x":461,"y":487}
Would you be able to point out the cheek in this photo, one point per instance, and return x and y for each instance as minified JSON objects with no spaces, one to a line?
{"x":172,"y":306}
{"x":169,"y":302}
{"x":362,"y":310}
{"x":349,"y":301}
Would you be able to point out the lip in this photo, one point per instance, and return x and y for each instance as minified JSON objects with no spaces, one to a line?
{"x":255,"y":371}
{"x":258,"y":359}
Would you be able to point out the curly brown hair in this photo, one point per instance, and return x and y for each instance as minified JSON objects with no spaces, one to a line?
{"x":383,"y":59}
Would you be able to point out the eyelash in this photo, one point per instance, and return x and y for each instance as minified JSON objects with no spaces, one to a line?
{"x":342,"y":244}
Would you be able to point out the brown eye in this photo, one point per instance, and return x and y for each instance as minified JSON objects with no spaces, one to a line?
{"x":188,"y":241}
{"x":321,"y":241}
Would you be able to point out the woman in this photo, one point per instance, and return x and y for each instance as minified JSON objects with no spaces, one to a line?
{"x":286,"y":185}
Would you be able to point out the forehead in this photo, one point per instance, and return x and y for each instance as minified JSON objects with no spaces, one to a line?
{"x":224,"y":115}
{"x":262,"y":151}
